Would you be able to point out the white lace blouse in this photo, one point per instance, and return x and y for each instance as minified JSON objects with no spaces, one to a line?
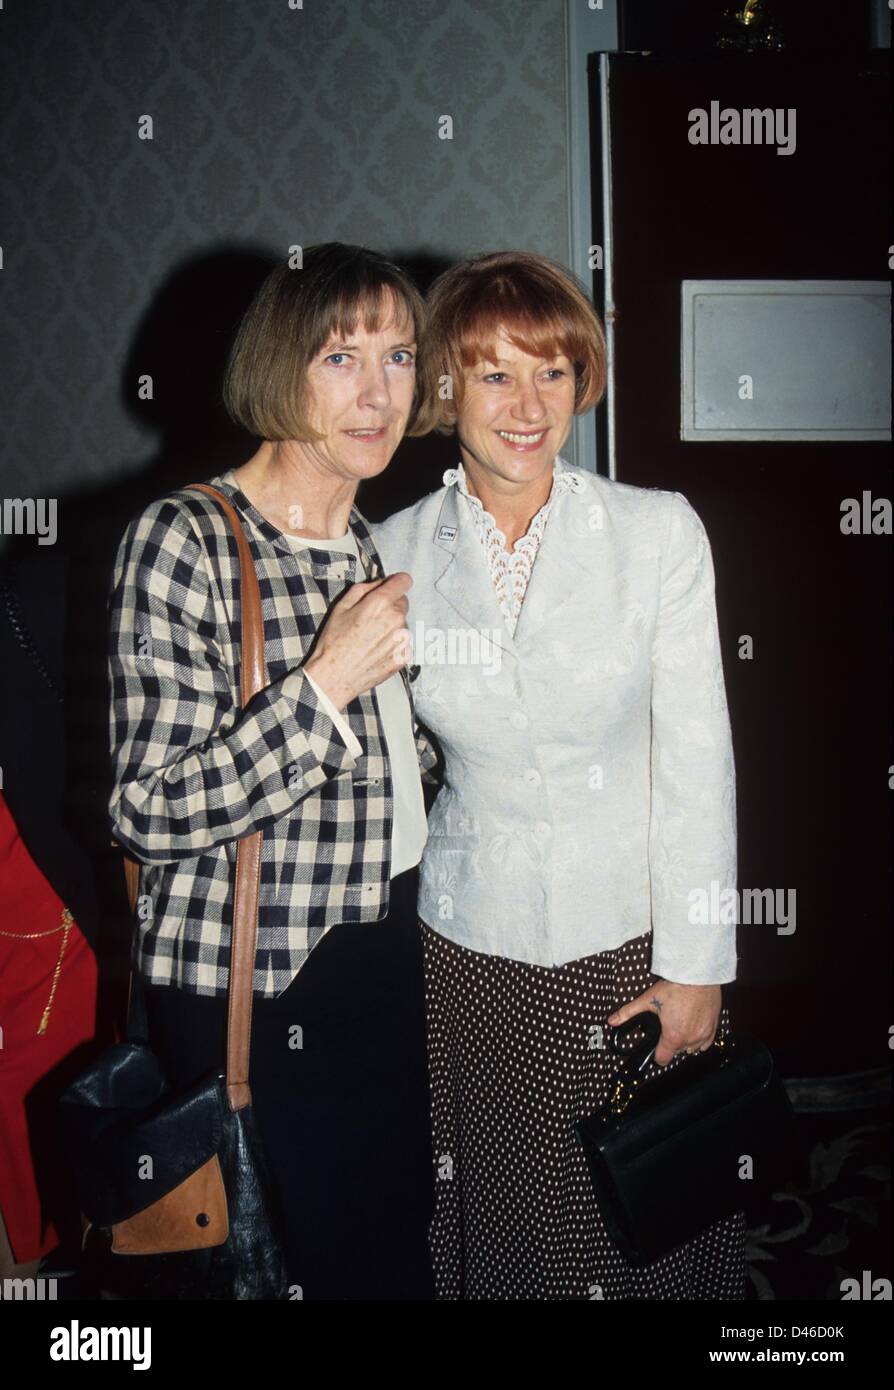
{"x":510,"y":571}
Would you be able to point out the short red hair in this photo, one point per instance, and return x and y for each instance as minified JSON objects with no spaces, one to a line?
{"x":539,"y":305}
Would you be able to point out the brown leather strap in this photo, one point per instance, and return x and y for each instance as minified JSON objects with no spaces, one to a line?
{"x":132,"y":879}
{"x":248,"y":853}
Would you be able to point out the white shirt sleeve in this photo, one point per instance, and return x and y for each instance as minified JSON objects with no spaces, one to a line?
{"x":338,"y":719}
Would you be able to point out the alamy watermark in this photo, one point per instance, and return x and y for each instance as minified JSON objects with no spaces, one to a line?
{"x":32,"y":1289}
{"x":29,"y":516}
{"x":716,"y":906}
{"x":727,"y":125}
{"x":452,"y":646}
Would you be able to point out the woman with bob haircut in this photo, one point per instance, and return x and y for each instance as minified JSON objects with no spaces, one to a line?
{"x":569,"y":665}
{"x":325,"y":761}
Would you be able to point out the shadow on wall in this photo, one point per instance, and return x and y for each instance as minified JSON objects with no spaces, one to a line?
{"x":182,"y":343}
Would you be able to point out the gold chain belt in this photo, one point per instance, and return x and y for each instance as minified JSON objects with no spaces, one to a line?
{"x":65,"y":927}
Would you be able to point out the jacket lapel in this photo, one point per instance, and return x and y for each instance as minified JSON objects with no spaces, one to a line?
{"x":461,"y":573}
{"x":563,"y":564}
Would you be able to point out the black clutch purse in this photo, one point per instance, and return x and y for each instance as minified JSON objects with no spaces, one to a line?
{"x":665,"y":1155}
{"x":175,"y":1192}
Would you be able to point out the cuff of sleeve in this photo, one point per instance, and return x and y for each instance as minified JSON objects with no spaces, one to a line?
{"x":352,"y":743}
{"x":695,"y":963}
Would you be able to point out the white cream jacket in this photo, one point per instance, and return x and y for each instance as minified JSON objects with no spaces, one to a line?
{"x":589,"y":785}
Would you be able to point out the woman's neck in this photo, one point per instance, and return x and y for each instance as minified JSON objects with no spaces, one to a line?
{"x":295,"y":496}
{"x":513,"y":506}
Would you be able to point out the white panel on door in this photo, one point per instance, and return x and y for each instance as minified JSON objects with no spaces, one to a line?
{"x":786,"y":359}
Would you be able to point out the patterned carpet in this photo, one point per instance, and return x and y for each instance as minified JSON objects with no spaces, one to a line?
{"x":832,"y":1219}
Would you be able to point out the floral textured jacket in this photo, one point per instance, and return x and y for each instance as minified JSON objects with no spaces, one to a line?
{"x":589,"y":781}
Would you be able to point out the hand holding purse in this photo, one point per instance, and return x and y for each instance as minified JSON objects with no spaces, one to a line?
{"x":664,"y":1155}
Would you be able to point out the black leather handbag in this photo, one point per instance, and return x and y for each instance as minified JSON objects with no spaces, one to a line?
{"x":665,"y":1155}
{"x":175,"y":1192}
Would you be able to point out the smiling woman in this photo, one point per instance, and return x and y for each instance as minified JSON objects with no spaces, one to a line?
{"x":525,"y":352}
{"x":588,"y":785}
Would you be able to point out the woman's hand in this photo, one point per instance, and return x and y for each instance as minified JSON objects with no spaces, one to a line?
{"x":364,"y":639}
{"x":689,"y":1016}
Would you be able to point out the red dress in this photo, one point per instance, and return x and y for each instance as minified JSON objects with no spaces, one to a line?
{"x":35,"y":1184}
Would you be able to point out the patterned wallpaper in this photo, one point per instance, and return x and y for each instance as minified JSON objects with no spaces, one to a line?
{"x":273,"y":124}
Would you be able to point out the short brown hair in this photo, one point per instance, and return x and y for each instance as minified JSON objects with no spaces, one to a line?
{"x":540,"y":306}
{"x":294,"y":314}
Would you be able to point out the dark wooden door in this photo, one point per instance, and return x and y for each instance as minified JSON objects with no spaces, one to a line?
{"x":811,"y":713}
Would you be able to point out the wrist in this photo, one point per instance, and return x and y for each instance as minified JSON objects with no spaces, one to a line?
{"x":319,"y":669}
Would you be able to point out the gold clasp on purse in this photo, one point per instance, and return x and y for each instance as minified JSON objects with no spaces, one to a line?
{"x":626,"y":1088}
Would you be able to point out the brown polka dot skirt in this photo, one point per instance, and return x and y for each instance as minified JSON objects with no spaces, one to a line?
{"x":513,"y":1065}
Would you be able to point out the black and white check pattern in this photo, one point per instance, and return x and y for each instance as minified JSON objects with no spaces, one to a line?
{"x":193,"y":773}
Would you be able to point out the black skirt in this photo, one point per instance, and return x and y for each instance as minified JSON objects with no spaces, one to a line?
{"x":512,"y":1065}
{"x":342,"y":1106}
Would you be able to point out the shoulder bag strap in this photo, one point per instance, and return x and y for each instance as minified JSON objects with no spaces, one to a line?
{"x":248,"y":853}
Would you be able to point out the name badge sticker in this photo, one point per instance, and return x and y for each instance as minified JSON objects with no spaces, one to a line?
{"x":447,"y":533}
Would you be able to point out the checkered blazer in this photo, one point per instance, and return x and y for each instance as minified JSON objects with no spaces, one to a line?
{"x":193,"y":773}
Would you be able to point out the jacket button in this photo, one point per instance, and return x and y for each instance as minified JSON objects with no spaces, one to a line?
{"x":518,"y":719}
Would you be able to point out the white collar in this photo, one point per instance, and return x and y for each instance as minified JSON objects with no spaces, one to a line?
{"x":565,"y":479}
